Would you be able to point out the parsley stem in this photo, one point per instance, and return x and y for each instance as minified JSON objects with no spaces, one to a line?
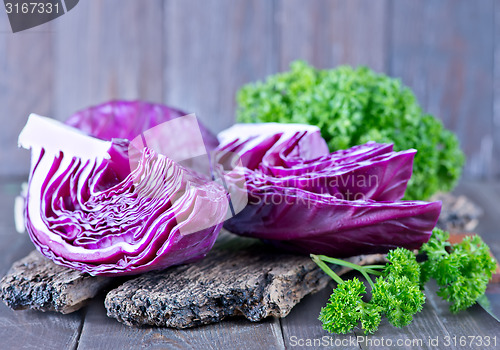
{"x":367,"y":277}
{"x":326,"y":269}
{"x":320,"y":261}
{"x":366,"y":269}
{"x":374,"y":266}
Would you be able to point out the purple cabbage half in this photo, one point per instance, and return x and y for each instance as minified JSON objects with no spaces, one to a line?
{"x":305,"y":199}
{"x":87,"y":208}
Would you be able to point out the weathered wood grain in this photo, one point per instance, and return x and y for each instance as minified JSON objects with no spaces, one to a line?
{"x":102,"y":332}
{"x":107,"y":50}
{"x":196,"y":54}
{"x":37,"y":283}
{"x":4,"y":23}
{"x":212,"y":47}
{"x":33,"y":330}
{"x":26,"y":67}
{"x":471,"y":322}
{"x":443,"y":50}
{"x":496,"y":105}
{"x":328,"y":33}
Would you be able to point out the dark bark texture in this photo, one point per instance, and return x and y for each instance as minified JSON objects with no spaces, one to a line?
{"x":37,"y":283}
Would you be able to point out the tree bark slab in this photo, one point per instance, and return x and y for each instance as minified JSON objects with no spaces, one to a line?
{"x":458,"y":213}
{"x":37,"y":283}
{"x":255,"y":281}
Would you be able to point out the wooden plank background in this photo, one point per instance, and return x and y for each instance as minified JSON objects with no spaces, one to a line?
{"x":195,"y":54}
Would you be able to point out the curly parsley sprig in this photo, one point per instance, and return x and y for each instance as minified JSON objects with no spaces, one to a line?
{"x":462,"y":272}
{"x":395,"y":293}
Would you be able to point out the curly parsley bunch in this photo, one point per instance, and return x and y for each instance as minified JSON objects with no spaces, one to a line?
{"x":353,"y":106}
{"x":462,"y":272}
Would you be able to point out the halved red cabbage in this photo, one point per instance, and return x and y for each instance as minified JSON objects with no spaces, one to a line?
{"x":88,"y":210}
{"x":307,"y":200}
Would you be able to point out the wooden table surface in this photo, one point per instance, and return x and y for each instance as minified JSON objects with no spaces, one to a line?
{"x":90,"y":328}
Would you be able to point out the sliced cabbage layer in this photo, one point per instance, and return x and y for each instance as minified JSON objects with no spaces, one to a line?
{"x":304,"y":199}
